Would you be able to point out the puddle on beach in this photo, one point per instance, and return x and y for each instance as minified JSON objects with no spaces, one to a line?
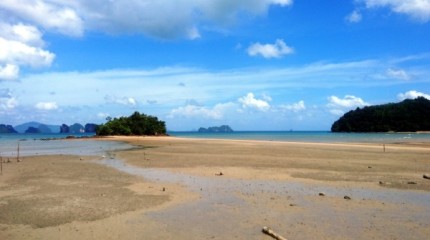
{"x":198,"y":183}
{"x":223,"y":211}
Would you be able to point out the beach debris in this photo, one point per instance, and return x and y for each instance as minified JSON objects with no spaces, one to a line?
{"x":347,"y":197}
{"x":219,"y":174}
{"x":412,"y":183}
{"x":17,"y":154}
{"x":426,"y":176}
{"x":381,"y":183}
{"x":164,"y":189}
{"x":270,"y":232}
{"x":369,"y":167}
{"x":321,"y":194}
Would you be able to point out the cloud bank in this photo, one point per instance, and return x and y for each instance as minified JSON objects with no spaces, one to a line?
{"x":23,"y":22}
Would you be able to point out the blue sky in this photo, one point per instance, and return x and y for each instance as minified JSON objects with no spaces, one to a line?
{"x":255,"y":65}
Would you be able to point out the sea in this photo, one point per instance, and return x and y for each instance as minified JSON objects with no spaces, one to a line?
{"x":45,"y":144}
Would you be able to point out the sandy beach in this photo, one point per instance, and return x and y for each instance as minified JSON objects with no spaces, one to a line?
{"x":173,"y":188}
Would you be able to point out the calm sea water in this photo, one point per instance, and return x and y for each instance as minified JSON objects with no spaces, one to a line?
{"x":38,"y":144}
{"x":34,"y":144}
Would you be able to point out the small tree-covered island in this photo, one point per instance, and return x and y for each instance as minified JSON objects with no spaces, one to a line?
{"x":136,"y":124}
{"x":406,"y":116}
{"x":215,"y":129}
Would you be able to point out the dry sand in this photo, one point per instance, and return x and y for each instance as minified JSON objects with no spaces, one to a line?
{"x":262,"y":183}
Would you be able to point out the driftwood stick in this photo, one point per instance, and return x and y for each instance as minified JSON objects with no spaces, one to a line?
{"x":270,"y":232}
{"x":17,"y":155}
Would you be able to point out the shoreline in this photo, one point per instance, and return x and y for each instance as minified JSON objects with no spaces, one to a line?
{"x":415,"y":145}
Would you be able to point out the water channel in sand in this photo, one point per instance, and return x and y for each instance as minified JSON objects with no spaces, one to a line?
{"x":224,"y":204}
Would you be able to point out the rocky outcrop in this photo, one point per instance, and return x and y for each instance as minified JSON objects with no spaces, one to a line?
{"x":32,"y":130}
{"x":90,"y":127}
{"x":7,"y":129}
{"x":76,"y":128}
{"x":64,"y":128}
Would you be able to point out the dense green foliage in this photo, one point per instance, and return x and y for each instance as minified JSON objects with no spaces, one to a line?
{"x":406,"y":116}
{"x":136,"y":124}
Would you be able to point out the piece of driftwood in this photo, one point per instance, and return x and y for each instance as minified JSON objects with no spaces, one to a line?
{"x":17,"y":154}
{"x":426,"y":176}
{"x":270,"y":232}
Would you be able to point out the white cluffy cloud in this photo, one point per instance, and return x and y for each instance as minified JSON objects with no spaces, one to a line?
{"x":338,"y":106}
{"x":412,"y":95}
{"x":19,"y":53}
{"x":21,"y":45}
{"x":27,"y":34}
{"x":276,"y":50}
{"x":249,"y":101}
{"x":47,"y":106}
{"x":416,"y":9}
{"x":9,"y":72}
{"x":58,"y":16}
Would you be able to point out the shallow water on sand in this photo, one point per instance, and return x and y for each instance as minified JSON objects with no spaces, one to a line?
{"x":60,"y":146}
{"x":223,"y":212}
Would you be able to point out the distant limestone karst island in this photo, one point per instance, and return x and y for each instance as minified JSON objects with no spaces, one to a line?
{"x":137,"y":124}
{"x":220,"y":129}
{"x":36,"y":127}
{"x":406,"y":116}
{"x":7,"y":129}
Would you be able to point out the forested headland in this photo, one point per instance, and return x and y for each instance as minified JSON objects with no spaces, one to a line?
{"x":406,"y":116}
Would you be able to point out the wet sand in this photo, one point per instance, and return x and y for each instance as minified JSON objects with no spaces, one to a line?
{"x":272,"y":184}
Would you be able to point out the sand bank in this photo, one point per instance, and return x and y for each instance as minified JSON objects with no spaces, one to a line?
{"x":262,"y":183}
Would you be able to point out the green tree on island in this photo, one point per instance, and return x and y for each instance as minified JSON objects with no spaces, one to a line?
{"x":136,"y":124}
